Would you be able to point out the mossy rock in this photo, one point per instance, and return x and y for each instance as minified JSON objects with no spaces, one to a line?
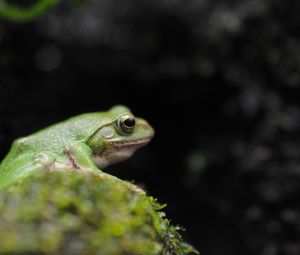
{"x":82,"y":213}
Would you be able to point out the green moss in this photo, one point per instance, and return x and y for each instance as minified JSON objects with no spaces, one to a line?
{"x":82,"y":213}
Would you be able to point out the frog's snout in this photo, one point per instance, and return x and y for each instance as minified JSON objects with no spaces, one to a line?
{"x":147,"y":127}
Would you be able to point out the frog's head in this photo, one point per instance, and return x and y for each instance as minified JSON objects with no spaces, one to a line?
{"x":119,"y":137}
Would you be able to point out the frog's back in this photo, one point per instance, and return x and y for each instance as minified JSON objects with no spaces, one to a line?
{"x":54,"y":138}
{"x":22,"y":149}
{"x":51,"y":139}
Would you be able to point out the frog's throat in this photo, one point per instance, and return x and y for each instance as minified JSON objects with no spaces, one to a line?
{"x":117,"y":152}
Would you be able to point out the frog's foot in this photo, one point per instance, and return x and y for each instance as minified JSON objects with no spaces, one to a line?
{"x":135,"y":188}
{"x":44,"y":160}
{"x":130,"y":186}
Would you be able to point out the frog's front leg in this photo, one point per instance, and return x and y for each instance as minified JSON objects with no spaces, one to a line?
{"x":80,"y":156}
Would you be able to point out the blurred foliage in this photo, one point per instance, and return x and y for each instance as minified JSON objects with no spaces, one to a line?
{"x":81,"y":213}
{"x":19,"y":13}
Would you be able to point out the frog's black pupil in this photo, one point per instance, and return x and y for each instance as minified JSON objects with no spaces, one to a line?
{"x":129,"y":122}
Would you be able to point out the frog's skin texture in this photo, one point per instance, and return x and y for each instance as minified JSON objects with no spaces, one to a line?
{"x":88,"y":142}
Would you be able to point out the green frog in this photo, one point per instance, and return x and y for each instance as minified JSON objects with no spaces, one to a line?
{"x":88,"y":142}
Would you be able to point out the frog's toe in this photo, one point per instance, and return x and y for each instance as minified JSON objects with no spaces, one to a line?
{"x":44,"y":159}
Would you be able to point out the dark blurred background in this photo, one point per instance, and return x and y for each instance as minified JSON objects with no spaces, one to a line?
{"x":219,"y":81}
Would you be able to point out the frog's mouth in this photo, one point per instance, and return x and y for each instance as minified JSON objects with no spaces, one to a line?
{"x":117,"y":152}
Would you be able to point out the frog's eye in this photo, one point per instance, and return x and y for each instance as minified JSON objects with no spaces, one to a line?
{"x":127,"y":123}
